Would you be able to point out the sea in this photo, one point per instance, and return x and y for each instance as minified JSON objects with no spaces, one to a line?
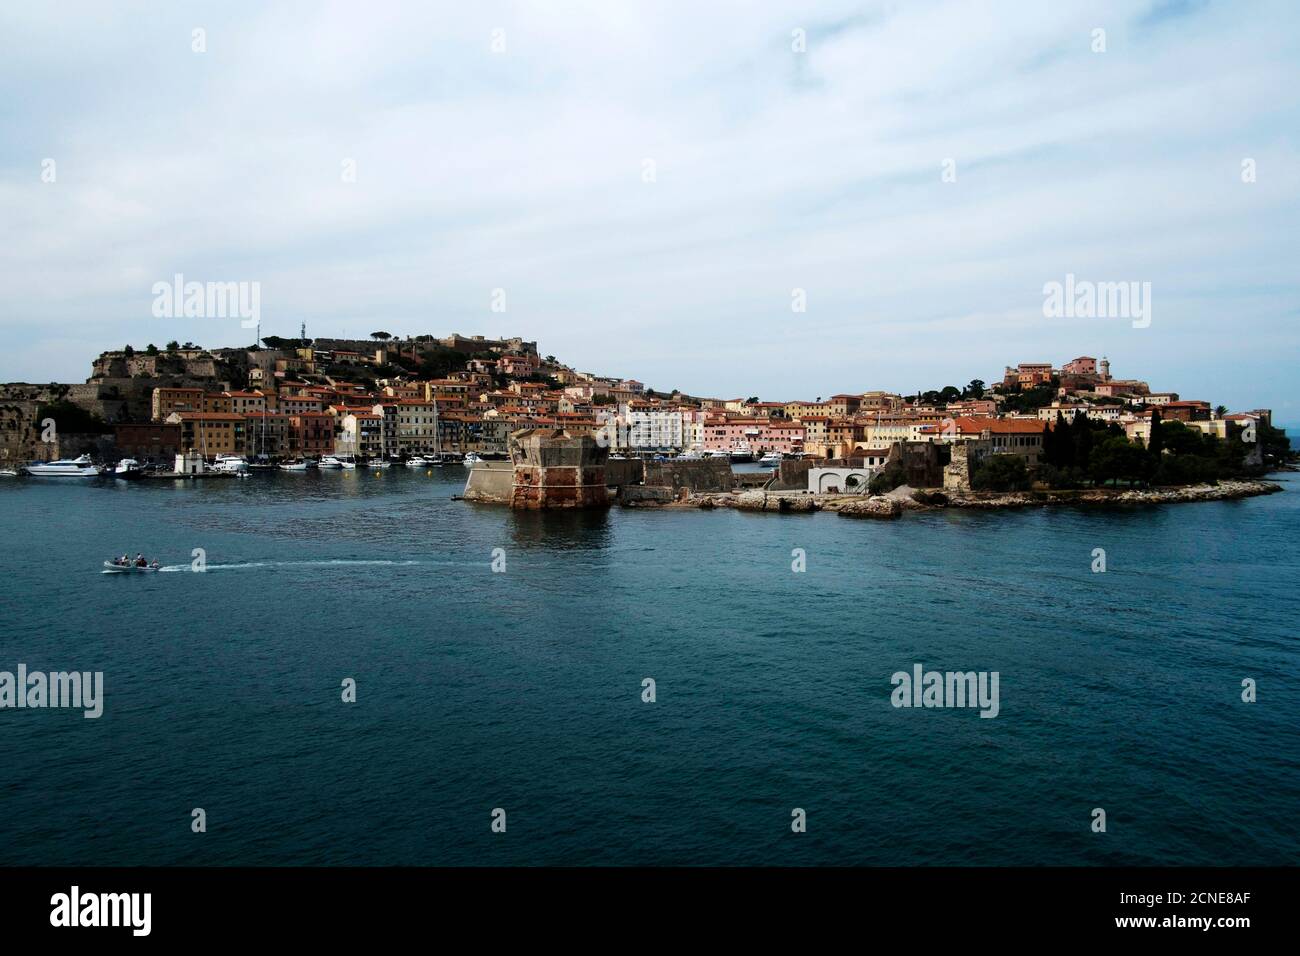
{"x":357,"y":668}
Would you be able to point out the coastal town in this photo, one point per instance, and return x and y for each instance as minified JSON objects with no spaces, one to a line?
{"x":301,"y":403}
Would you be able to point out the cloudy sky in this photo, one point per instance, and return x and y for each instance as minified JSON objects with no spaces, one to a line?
{"x":648,"y":182}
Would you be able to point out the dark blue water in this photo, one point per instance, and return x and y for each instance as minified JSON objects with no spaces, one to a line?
{"x":522,"y":689}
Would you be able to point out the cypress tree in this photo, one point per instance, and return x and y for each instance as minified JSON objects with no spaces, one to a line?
{"x":1081,"y":433}
{"x":1156,"y":444}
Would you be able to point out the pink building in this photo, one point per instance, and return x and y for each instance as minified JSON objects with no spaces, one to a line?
{"x":753,"y":434}
{"x":1083,"y":365}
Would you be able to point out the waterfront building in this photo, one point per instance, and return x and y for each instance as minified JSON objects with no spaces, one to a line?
{"x":267,"y":434}
{"x":417,"y":425}
{"x":755,"y":435}
{"x":640,"y":426}
{"x":210,"y":433}
{"x":311,"y":434}
{"x":147,"y":441}
{"x":361,"y":433}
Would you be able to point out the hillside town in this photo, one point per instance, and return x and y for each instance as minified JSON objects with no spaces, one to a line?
{"x":392,"y":398}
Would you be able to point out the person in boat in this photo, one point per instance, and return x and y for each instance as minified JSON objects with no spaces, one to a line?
{"x":140,"y":562}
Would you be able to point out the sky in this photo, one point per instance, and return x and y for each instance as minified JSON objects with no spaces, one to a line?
{"x":648,"y":183}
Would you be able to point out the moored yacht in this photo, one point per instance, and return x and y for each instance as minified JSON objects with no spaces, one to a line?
{"x":471,"y":459}
{"x":770,"y":460}
{"x":230,"y":464}
{"x":128,"y":469}
{"x":81,"y":467}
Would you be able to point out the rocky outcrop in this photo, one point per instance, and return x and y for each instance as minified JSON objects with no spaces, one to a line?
{"x":1104,"y":497}
{"x":876,"y":507}
{"x":894,"y":504}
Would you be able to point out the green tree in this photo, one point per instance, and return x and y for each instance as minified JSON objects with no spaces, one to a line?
{"x":1081,"y":440}
{"x":173,"y":346}
{"x":1117,"y":459}
{"x":151,"y":349}
{"x":1000,"y":473}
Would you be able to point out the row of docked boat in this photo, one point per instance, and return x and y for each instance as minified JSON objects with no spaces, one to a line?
{"x":237,"y":465}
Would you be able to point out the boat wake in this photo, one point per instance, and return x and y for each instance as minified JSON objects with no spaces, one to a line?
{"x":341,"y":562}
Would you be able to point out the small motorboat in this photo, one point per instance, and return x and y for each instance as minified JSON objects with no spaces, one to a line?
{"x":294,"y":466}
{"x":329,"y":461}
{"x":128,"y":469}
{"x":377,"y":463}
{"x":8,"y":473}
{"x":118,"y":566}
{"x":471,"y":460}
{"x":419,"y":461}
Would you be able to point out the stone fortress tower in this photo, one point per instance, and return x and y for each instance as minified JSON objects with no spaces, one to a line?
{"x":557,"y":468}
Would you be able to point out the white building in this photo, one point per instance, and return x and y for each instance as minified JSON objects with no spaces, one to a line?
{"x":648,"y":429}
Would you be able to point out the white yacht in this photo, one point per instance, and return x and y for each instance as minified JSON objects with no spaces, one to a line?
{"x":230,"y":464}
{"x":299,"y":465}
{"x":329,"y":461}
{"x":471,"y":459}
{"x":377,"y":463}
{"x":418,"y":461}
{"x":127,"y":469}
{"x":81,"y":467}
{"x":770,"y":460}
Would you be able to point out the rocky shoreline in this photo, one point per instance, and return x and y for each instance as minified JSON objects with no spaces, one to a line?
{"x":900,"y":500}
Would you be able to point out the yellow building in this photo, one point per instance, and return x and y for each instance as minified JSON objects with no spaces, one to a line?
{"x":210,"y":433}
